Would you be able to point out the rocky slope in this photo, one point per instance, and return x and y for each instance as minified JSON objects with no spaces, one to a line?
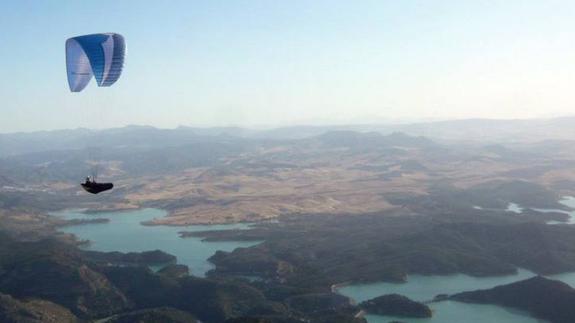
{"x":33,"y":311}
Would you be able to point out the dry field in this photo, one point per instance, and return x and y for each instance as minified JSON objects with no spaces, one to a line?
{"x":311,"y":181}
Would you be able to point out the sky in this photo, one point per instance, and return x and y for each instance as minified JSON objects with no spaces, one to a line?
{"x":275,"y":63}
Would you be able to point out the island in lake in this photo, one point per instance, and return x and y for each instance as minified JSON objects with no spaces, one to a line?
{"x":396,"y":305}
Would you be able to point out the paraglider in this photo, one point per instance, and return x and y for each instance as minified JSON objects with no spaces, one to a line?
{"x":91,"y":186}
{"x":101,"y":56}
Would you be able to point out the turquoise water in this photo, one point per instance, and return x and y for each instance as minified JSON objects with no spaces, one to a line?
{"x":456,"y":312}
{"x":568,"y":201}
{"x":567,"y":278}
{"x":424,"y":288}
{"x":125,"y":233}
{"x":514,"y":208}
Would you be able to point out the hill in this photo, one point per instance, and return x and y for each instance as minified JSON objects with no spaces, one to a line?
{"x":52,"y":281}
{"x":543,"y":298}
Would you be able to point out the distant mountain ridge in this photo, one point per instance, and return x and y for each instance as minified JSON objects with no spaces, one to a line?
{"x":147,"y":150}
{"x":482,"y":130}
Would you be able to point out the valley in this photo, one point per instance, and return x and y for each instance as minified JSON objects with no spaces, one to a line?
{"x":276,"y":223}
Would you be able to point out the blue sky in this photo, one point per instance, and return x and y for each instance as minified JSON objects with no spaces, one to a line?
{"x":254,"y":63}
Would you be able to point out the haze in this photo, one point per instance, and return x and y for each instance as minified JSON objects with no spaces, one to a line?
{"x":266,"y":63}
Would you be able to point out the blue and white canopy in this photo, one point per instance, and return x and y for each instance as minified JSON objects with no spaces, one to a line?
{"x":101,"y":55}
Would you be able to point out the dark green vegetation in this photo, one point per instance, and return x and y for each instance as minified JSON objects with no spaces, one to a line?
{"x":48,"y":279}
{"x":543,"y":298}
{"x":494,"y":195}
{"x":320,"y":251}
{"x":139,"y":258}
{"x":396,"y":305}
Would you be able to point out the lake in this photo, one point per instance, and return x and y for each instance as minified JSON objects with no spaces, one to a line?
{"x":125,"y":233}
{"x":568,"y":201}
{"x":424,"y":288}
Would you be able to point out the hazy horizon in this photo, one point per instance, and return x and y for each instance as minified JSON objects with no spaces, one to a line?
{"x":257,"y":63}
{"x":381,"y":122}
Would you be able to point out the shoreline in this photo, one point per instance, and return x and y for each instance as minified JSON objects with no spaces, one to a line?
{"x":111,"y":209}
{"x":334,"y":289}
{"x":150,"y":223}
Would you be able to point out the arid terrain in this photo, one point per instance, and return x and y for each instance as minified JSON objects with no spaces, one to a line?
{"x":219,"y":178}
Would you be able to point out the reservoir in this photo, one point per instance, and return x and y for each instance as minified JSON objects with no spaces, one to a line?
{"x":424,"y":288}
{"x":125,"y":233}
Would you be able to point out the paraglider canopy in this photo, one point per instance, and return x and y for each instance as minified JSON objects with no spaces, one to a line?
{"x":98,"y":55}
